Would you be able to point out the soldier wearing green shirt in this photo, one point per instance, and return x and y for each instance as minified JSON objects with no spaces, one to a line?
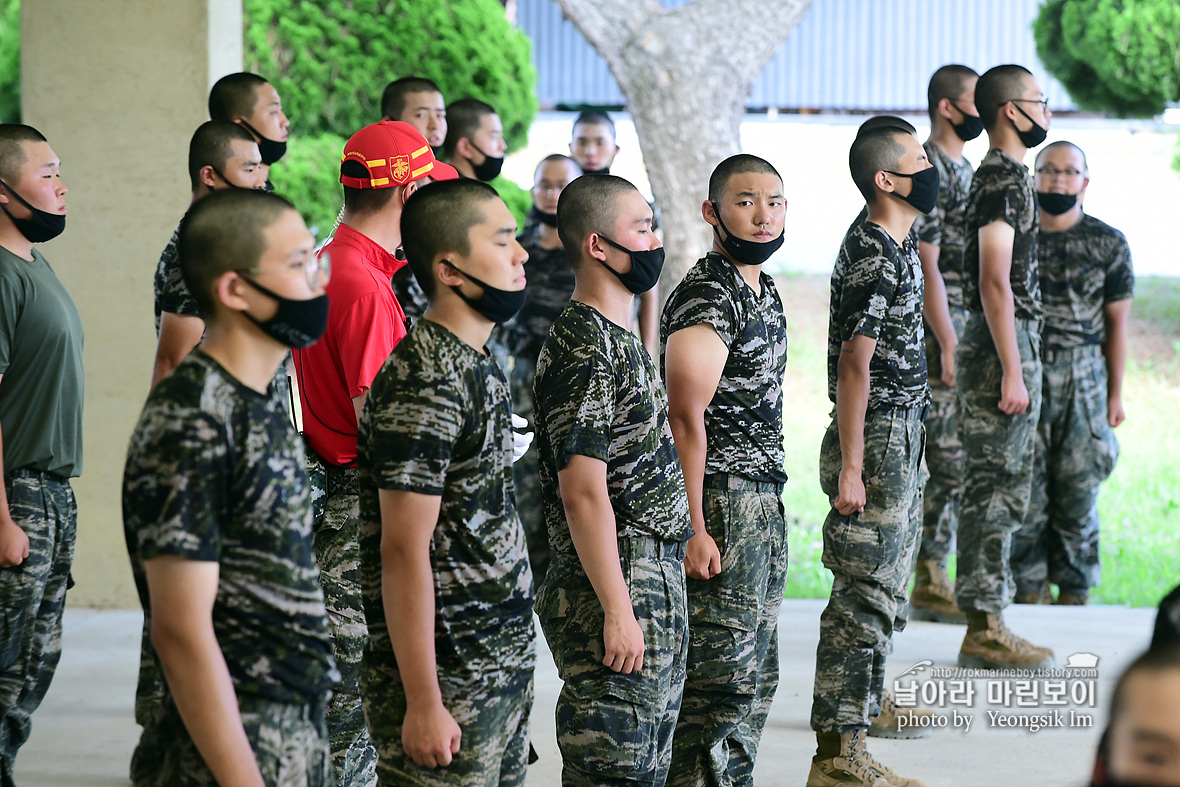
{"x":871,"y":452}
{"x":447,"y":679}
{"x":613,"y":603}
{"x":1086,"y":287}
{"x":217,"y":513}
{"x":724,"y":355}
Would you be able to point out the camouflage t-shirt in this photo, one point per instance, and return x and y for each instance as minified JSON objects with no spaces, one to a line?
{"x":597,"y":394}
{"x":946,"y":225}
{"x":171,"y":293}
{"x":1002,"y":190}
{"x":437,"y":422}
{"x":409,"y":293}
{"x":1082,"y":269}
{"x":215,"y":473}
{"x":744,"y":419}
{"x":550,"y":285}
{"x":877,"y":292}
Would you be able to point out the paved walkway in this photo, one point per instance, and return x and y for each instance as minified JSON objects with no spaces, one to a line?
{"x":84,"y":732}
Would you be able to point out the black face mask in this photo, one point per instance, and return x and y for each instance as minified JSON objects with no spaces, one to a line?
{"x":39,"y":227}
{"x":271,"y":151}
{"x":296,"y":324}
{"x":1055,"y":204}
{"x":645,"y":268}
{"x":495,"y":304}
{"x":1035,"y":135}
{"x":538,"y":216}
{"x":489,"y":169}
{"x":970,"y":128}
{"x":603,"y":171}
{"x":746,"y":252}
{"x":924,"y":194}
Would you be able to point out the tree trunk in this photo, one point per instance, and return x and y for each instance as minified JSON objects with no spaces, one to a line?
{"x":686,"y":73}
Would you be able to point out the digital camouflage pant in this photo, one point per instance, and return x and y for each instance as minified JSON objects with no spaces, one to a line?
{"x":337,"y":550}
{"x":290,"y":744}
{"x":1075,"y":452}
{"x":615,"y":729}
{"x":871,"y":555}
{"x":526,"y":473}
{"x":732,"y":672}
{"x":491,"y":710}
{"x":944,"y":456}
{"x":999,"y":451}
{"x":32,"y":599}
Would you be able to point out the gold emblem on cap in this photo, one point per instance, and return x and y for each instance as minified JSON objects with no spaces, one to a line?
{"x":399,"y":167}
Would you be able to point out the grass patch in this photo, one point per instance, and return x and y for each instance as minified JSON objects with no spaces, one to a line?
{"x":1139,"y":506}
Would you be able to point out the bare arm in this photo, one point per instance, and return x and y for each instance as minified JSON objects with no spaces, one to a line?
{"x":430,"y":735}
{"x":179,"y":334}
{"x":358,"y":404}
{"x":582,"y":484}
{"x":1115,"y":350}
{"x":995,"y":290}
{"x":852,"y":402}
{"x":182,"y":594}
{"x":935,"y":309}
{"x":14,"y":542}
{"x":694,"y":360}
{"x":649,"y":320}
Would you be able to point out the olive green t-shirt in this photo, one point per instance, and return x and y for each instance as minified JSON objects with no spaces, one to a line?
{"x":41,"y":360}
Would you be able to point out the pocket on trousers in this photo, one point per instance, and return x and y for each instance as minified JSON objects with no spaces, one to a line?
{"x":610,"y":726}
{"x":1104,"y":446}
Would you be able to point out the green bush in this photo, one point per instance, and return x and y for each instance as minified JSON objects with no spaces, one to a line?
{"x":309,"y":176}
{"x":9,"y":61}
{"x":1121,"y":56}
{"x":517,"y":199}
{"x":330,"y":60}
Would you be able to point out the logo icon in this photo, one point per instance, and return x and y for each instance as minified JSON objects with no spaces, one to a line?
{"x":1083,"y":661}
{"x":399,"y":167}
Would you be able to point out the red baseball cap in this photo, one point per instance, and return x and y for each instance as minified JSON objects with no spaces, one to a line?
{"x":392,"y":154}
{"x":444,"y":171}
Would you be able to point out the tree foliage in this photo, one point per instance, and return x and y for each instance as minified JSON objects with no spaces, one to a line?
{"x":331,"y":59}
{"x":1121,"y":56}
{"x":10,"y":61}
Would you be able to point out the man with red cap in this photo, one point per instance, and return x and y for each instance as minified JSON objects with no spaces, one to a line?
{"x":382,"y":165}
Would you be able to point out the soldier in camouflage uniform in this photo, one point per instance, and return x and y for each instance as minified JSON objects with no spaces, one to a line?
{"x":1086,"y":288}
{"x":217,"y":515}
{"x":447,"y":676}
{"x":221,"y":155}
{"x":382,"y":165}
{"x":41,"y":385}
{"x":953,"y":121}
{"x":551,"y":283}
{"x":998,"y":366}
{"x":613,"y":604}
{"x":724,"y":355}
{"x":872,"y":451}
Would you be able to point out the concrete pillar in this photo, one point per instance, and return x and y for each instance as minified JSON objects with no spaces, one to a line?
{"x":118,"y":87}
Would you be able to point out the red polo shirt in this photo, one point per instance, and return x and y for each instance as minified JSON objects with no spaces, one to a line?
{"x":365,"y":322}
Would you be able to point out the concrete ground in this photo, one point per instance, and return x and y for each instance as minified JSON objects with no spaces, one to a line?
{"x":84,"y":732}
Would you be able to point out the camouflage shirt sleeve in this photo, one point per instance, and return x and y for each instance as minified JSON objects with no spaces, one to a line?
{"x":1006,"y":204}
{"x":178,"y":479}
{"x":411,"y":445}
{"x":868,"y":292}
{"x":579,"y":398}
{"x":702,"y":299}
{"x":171,"y":292}
{"x":1120,"y":276}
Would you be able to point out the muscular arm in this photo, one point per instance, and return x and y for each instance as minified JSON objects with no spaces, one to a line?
{"x":936,"y":311}
{"x":1115,"y":350}
{"x":14,"y":542}
{"x":995,"y":290}
{"x":179,"y":334}
{"x":852,"y":402}
{"x":694,"y":360}
{"x":649,"y":320}
{"x":430,"y":735}
{"x":182,"y":594}
{"x":582,"y":484}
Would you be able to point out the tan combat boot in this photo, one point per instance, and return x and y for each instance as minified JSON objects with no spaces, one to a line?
{"x":918,"y":722}
{"x":1040,"y":595}
{"x":989,"y":644}
{"x":1073,"y":598}
{"x":851,"y":765}
{"x":934,"y":596}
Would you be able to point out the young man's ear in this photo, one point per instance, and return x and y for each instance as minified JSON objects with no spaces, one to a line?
{"x":708,"y":212}
{"x":206,"y":174}
{"x":447,"y":276}
{"x":227,"y":290}
{"x":595,"y":246}
{"x":944,"y":108}
{"x":883,"y":181}
{"x":463,"y":147}
{"x":409,"y":189}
